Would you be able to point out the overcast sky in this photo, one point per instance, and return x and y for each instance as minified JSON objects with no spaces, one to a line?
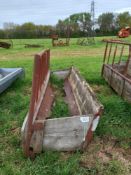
{"x":49,"y":11}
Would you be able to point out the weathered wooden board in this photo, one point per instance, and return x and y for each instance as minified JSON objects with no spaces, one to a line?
{"x":129,"y":68}
{"x":70,"y":99}
{"x":62,"y":74}
{"x":65,"y":134}
{"x":120,"y":67}
{"x":107,"y":73}
{"x":84,"y":95}
{"x":127,"y":91}
{"x":117,"y":83}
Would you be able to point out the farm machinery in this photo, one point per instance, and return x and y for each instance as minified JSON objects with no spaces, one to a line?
{"x":59,"y":42}
{"x":124,"y":32}
{"x":7,"y":44}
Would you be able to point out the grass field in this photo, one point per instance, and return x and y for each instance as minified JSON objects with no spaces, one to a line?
{"x":110,"y":151}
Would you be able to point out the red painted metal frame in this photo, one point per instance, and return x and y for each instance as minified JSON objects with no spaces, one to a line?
{"x":41,"y":71}
{"x":89,"y":135}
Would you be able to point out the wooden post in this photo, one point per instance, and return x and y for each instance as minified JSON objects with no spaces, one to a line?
{"x":104,"y":59}
{"x":109,"y":53}
{"x":105,"y":54}
{"x":115,"y":51}
{"x":129,"y":57}
{"x":122,"y":49}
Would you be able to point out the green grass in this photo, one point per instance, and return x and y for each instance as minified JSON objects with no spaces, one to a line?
{"x":60,"y":107}
{"x":14,"y":104}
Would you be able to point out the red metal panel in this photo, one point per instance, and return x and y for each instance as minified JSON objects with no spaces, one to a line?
{"x":41,"y":68}
{"x":89,"y":134}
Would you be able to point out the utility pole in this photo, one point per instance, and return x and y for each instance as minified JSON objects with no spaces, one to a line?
{"x":92,"y":14}
{"x":90,"y":29}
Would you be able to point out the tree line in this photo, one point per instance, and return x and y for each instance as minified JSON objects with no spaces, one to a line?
{"x":77,"y":25}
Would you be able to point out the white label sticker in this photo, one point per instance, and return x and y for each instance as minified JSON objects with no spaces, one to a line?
{"x":84,"y":119}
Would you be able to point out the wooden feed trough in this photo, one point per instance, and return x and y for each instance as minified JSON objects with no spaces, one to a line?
{"x":62,"y":134}
{"x":116,"y":67}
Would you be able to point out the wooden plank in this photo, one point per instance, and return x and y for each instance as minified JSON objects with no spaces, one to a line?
{"x":109,"y":53}
{"x":65,"y":134}
{"x":127,"y":92}
{"x":121,"y":75}
{"x":105,"y":54}
{"x":36,"y":141}
{"x":128,"y":61}
{"x":107,"y":73}
{"x":62,"y":74}
{"x":104,"y":58}
{"x":117,"y":83}
{"x":129,"y":68}
{"x":115,"y":51}
{"x":45,"y":107}
{"x":83,"y":92}
{"x":43,"y":90}
{"x":70,"y":99}
{"x":120,"y":83}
